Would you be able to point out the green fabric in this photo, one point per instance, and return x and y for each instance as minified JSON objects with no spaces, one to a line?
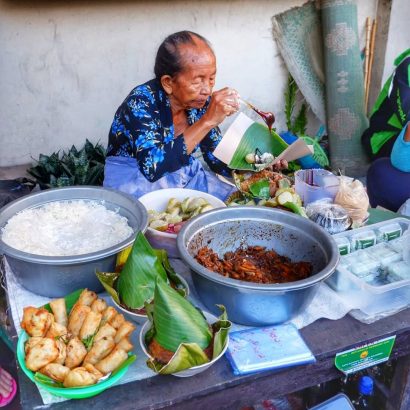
{"x":346,"y":117}
{"x":297,"y":33}
{"x":380,"y":138}
{"x":385,"y":90}
{"x":382,"y":96}
{"x":394,"y":121}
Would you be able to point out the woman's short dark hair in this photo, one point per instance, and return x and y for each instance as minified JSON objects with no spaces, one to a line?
{"x":168,"y":59}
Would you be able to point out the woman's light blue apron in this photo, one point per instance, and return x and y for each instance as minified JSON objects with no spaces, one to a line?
{"x":123,"y":174}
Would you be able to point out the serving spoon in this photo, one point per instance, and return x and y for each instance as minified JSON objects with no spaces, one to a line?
{"x":268,"y":117}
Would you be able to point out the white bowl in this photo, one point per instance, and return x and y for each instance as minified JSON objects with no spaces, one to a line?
{"x":141,"y":318}
{"x":193,"y":370}
{"x":158,"y":201}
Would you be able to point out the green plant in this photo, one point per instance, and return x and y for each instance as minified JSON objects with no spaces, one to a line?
{"x":75,"y":167}
{"x":296,"y":124}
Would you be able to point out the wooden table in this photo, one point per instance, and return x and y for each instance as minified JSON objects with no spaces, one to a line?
{"x":218,"y":388}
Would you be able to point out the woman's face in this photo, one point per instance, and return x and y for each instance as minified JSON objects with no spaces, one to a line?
{"x":193,"y":85}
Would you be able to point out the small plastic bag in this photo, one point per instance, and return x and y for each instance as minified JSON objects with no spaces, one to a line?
{"x":353,"y":197}
{"x":333,"y":218}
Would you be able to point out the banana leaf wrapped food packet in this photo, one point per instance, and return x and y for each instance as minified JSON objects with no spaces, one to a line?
{"x":180,"y":337}
{"x":134,"y":285}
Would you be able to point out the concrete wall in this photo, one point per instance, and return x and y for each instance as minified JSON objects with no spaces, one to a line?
{"x":65,"y":66}
{"x":399,"y":34}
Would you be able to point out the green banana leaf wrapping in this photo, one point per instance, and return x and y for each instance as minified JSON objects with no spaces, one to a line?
{"x":256,"y":136}
{"x":176,"y":325}
{"x":135,"y":284}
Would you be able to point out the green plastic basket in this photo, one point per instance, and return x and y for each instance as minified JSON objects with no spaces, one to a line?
{"x":72,"y":392}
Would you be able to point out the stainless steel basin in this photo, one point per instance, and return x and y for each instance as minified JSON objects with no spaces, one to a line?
{"x":249,"y":303}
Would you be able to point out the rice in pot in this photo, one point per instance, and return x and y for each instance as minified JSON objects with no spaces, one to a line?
{"x":66,"y":228}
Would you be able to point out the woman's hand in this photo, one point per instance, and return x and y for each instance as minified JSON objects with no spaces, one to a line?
{"x":223,"y":103}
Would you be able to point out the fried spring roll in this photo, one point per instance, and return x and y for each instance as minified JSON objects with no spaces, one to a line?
{"x":62,"y":352}
{"x":76,"y":352}
{"x":77,"y":317}
{"x":57,"y":331}
{"x":117,"y":320}
{"x":112,"y":361}
{"x":91,"y":369}
{"x":100,"y":349}
{"x":36,"y":322}
{"x":90,"y":324}
{"x":78,"y":377}
{"x":99,"y":305}
{"x":59,"y":310}
{"x":105,"y":331}
{"x":86,"y":297}
{"x":125,"y":344}
{"x":108,"y":314}
{"x":31,"y":342}
{"x":55,"y":371}
{"x":124,"y":331}
{"x":41,"y":354}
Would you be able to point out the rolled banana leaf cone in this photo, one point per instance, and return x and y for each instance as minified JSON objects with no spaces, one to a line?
{"x":179,"y":327}
{"x":136,"y":283}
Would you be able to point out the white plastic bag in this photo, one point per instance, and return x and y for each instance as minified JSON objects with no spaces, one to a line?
{"x":353,"y":197}
{"x":405,"y":208}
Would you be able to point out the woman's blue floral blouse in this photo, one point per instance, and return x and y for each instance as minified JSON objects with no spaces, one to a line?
{"x":143,"y":129}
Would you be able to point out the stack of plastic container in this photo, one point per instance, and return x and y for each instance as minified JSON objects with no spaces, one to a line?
{"x":374,"y":269}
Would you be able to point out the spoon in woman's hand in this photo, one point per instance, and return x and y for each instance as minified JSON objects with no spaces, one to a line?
{"x":268,"y":117}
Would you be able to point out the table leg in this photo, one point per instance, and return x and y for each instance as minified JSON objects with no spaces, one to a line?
{"x":399,"y":397}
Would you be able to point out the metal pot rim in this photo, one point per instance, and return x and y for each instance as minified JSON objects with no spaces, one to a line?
{"x":75,"y":259}
{"x":234,"y":283}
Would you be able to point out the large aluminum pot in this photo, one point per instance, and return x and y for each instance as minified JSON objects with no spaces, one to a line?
{"x":56,"y":276}
{"x":248,"y":303}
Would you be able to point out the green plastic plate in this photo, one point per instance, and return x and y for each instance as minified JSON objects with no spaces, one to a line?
{"x":71,"y":392}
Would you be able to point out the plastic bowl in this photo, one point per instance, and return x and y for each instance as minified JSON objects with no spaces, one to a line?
{"x":193,"y":370}
{"x":157,"y":201}
{"x":141,"y":318}
{"x":68,"y":392}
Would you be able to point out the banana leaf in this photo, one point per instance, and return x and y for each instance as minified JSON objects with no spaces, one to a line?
{"x":178,"y":326}
{"x":136,"y":282}
{"x":257,"y":136}
{"x":260,"y":189}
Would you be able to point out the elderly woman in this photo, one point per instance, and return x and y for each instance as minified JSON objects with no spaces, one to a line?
{"x":162,"y":125}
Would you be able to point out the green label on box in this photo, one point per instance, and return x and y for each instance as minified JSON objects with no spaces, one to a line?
{"x":364,"y":356}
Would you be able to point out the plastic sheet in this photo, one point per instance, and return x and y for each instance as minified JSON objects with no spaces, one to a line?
{"x":256,"y":349}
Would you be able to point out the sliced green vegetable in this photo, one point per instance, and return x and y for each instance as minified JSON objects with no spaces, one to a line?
{"x":284,"y":197}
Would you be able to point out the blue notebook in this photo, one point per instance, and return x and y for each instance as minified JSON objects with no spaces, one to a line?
{"x":263,"y":348}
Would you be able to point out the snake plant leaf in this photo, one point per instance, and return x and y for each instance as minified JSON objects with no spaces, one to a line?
{"x":190,"y":354}
{"x":257,"y":136}
{"x":177,"y":321}
{"x":136,"y":282}
{"x":260,"y":189}
{"x":108,"y":280}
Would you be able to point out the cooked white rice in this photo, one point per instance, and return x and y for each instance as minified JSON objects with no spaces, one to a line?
{"x":66,"y":228}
